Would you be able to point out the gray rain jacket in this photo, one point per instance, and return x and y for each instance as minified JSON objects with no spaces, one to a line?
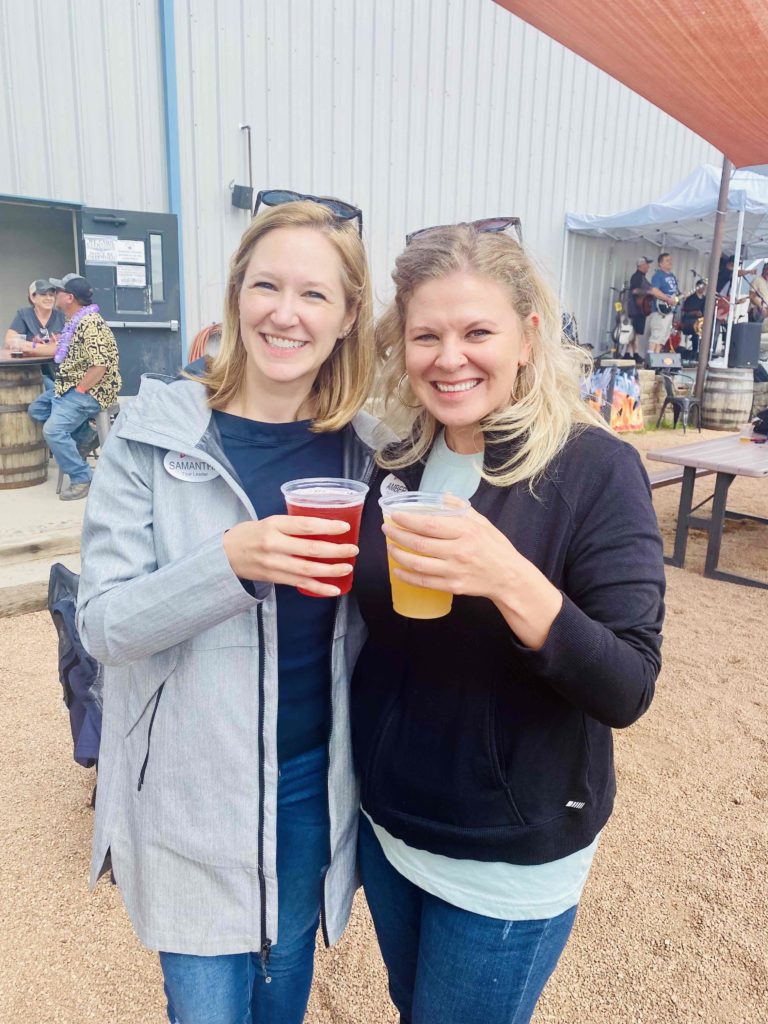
{"x":186,"y":798}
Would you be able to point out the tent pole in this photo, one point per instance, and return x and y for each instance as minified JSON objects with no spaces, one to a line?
{"x":714,"y":261}
{"x":734,"y":285}
{"x":564,"y":266}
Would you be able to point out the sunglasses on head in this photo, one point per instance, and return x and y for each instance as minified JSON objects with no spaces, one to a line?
{"x":492,"y":225}
{"x":340,"y":209}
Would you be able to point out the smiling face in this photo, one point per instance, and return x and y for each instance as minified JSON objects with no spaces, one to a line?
{"x":292,"y":309}
{"x":464,"y":344}
{"x":43,"y":302}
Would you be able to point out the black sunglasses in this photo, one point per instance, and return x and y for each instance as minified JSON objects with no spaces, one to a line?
{"x":340,"y":209}
{"x":493,"y":225}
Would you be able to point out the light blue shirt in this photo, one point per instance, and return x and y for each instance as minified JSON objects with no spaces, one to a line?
{"x":511,"y":892}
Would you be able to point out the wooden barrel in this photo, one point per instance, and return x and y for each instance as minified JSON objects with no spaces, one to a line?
{"x":651,"y":395}
{"x":23,"y":452}
{"x":727,"y":400}
{"x":760,"y":399}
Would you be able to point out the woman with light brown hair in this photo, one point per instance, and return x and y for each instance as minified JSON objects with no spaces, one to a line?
{"x":226,"y":794}
{"x":483,"y":737}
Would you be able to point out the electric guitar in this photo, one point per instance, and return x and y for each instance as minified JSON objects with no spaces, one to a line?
{"x":665,"y":307}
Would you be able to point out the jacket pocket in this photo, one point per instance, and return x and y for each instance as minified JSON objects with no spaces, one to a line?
{"x":498,"y":767}
{"x":145,"y":679}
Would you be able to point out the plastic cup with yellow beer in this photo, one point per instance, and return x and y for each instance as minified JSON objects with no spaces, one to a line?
{"x":408,"y":600}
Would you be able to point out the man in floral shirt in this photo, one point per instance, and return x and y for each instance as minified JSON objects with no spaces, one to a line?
{"x":87,"y":380}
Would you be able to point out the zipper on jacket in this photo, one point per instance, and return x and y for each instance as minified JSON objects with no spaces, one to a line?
{"x":266,"y":943}
{"x":323,"y":924}
{"x":149,"y":736}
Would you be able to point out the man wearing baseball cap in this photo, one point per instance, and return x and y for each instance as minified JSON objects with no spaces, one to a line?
{"x":88,"y":379}
{"x":638,"y":287}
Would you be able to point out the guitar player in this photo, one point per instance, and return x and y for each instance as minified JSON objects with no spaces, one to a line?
{"x":665,"y":291}
{"x":638,"y":294}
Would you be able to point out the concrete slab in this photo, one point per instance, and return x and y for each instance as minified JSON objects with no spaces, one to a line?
{"x":36,"y":530}
{"x":24,"y":585}
{"x":28,"y":513}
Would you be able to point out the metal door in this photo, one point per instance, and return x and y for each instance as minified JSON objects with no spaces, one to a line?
{"x":132,"y":261}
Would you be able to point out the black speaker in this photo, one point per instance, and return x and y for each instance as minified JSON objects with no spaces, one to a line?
{"x":663,"y":361}
{"x":744,"y":352}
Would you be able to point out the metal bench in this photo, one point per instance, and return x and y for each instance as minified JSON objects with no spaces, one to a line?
{"x":673,"y":475}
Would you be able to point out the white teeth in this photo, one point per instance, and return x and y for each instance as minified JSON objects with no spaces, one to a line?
{"x":283,"y":342}
{"x":464,"y":386}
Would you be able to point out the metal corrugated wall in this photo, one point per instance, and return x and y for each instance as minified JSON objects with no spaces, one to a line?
{"x":421,"y":111}
{"x":81,"y":115}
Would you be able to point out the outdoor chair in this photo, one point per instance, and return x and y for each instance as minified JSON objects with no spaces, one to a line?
{"x":102,"y":421}
{"x":682,"y":404}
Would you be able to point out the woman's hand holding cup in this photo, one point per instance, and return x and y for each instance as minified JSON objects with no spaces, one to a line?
{"x":279,"y":549}
{"x":466,"y":554}
{"x":460,"y":554}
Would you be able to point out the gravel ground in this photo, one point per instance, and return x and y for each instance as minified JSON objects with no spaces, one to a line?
{"x":672,"y":927}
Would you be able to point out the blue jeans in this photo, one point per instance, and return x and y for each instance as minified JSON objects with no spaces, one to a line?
{"x":447,"y":965}
{"x":40,"y":410}
{"x":233,"y":989}
{"x":66,"y":424}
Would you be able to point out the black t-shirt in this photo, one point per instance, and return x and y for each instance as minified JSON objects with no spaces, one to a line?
{"x":638,"y":280}
{"x":27,"y":322}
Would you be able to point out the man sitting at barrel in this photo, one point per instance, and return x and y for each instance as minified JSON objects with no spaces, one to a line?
{"x":87,"y":380}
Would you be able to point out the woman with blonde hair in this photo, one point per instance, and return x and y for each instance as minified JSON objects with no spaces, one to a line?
{"x":226,"y":797}
{"x":483,"y":737}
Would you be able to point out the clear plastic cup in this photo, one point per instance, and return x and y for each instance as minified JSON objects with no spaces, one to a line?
{"x":16,"y":345}
{"x":408,"y":600}
{"x":329,"y":498}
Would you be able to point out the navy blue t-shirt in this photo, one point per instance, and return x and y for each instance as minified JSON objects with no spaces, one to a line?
{"x":264,"y":456}
{"x":28,"y":323}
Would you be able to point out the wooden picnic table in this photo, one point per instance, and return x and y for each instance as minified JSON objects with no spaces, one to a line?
{"x":727,"y":457}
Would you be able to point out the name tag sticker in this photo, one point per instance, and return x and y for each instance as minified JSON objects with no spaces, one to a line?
{"x":391,"y":485}
{"x":188,"y":467}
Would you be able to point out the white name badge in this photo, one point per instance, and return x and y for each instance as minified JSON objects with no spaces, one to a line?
{"x":188,"y":467}
{"x":391,"y":485}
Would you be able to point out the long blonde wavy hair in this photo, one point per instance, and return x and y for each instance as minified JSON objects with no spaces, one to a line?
{"x":545,"y":406}
{"x":344,"y":380}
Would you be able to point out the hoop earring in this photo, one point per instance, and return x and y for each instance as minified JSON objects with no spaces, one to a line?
{"x":518,"y":378}
{"x":399,"y":393}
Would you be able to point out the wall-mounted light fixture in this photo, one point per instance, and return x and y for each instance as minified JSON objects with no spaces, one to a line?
{"x":242,"y":195}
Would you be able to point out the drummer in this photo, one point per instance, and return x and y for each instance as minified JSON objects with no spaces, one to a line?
{"x":40,"y":322}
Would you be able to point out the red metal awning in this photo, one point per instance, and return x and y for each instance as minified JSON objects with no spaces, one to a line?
{"x":704,"y":62}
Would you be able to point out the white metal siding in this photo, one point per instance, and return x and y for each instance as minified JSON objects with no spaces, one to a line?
{"x":81,"y":116}
{"x":420,"y":111}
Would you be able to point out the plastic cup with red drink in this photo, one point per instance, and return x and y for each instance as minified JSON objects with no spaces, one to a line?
{"x":329,"y":498}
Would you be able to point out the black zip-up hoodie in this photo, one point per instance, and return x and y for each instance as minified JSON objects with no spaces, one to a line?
{"x":470,"y":744}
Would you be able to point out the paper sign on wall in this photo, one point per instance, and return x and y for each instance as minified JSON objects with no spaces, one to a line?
{"x":100,"y":248}
{"x":131,"y":276}
{"x":129,"y":251}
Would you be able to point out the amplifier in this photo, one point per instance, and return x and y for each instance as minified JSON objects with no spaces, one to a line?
{"x":744,"y":351}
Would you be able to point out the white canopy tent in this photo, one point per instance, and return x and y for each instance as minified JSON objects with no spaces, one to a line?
{"x":684,"y":218}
